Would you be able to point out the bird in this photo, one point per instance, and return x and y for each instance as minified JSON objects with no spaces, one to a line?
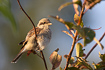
{"x":29,"y":45}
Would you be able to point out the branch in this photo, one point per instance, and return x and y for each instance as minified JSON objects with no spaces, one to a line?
{"x":44,"y":59}
{"x":75,"y":36}
{"x":94,"y":46}
{"x":82,"y":12}
{"x":70,"y":53}
{"x":28,"y":18}
{"x":35,"y":33}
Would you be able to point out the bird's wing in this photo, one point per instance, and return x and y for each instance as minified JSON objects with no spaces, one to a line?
{"x":21,"y":43}
{"x":29,"y":34}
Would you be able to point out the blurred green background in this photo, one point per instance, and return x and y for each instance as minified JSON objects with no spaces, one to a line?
{"x":37,"y":9}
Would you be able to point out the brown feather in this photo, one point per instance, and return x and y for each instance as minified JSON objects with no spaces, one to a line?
{"x":18,"y":56}
{"x":31,"y":33}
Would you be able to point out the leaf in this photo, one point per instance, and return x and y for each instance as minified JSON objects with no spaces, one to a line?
{"x":71,"y":61}
{"x":102,"y":56}
{"x":64,"y":5}
{"x":68,"y":34}
{"x":84,"y":63}
{"x":102,"y":47}
{"x":99,"y":66}
{"x":94,"y":65}
{"x":91,"y":3}
{"x":5,"y":9}
{"x":67,"y":24}
{"x":60,"y":68}
{"x":89,"y":35}
{"x":73,"y":68}
{"x":76,"y":19}
{"x":86,"y":33}
{"x":79,"y":50}
{"x":55,"y":59}
{"x":69,"y":3}
{"x":76,"y":6}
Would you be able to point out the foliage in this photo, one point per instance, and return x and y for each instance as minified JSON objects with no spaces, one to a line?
{"x":5,"y":9}
{"x":77,"y":31}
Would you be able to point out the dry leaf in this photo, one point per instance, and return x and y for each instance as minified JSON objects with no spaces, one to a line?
{"x":55,"y":59}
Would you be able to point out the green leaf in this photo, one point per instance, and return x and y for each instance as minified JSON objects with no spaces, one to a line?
{"x":69,"y":3}
{"x":79,"y":50}
{"x":86,"y":33}
{"x":67,"y":24}
{"x":72,"y":68}
{"x":5,"y":9}
{"x":84,"y":63}
{"x":89,"y":35}
{"x":76,"y":19}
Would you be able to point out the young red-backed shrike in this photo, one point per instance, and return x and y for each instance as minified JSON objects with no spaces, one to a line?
{"x":43,"y":38}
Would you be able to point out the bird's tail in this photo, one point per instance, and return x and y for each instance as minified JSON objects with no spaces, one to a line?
{"x":17,"y":58}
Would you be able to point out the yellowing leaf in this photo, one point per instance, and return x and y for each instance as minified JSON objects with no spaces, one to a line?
{"x":79,"y":50}
{"x":55,"y":59}
{"x":69,"y":3}
{"x":99,"y":43}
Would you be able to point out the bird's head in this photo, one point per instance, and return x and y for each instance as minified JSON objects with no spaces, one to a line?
{"x":44,"y":23}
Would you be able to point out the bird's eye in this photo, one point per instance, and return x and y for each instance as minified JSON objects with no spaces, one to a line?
{"x":42,"y":23}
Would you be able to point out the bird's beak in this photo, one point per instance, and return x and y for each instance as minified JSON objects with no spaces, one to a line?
{"x":49,"y":23}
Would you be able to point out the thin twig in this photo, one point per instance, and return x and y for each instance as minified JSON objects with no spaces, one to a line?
{"x":44,"y":59}
{"x":79,"y":39}
{"x":35,"y":33}
{"x":28,"y":18}
{"x":75,"y":36}
{"x":94,"y":46}
{"x":34,"y":52}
